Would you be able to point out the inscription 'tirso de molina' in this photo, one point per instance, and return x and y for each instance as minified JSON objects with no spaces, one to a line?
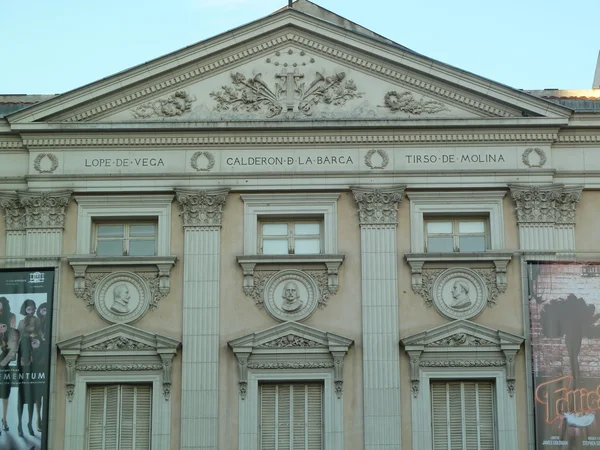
{"x":451,"y":158}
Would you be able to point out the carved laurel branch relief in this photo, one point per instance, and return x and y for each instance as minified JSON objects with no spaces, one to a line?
{"x":405,"y":102}
{"x":254,"y":95}
{"x":261,"y":277}
{"x":429,"y":276}
{"x":175,"y":105}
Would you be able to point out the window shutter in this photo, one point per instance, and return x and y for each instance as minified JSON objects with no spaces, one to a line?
{"x":103,"y":417}
{"x":291,"y":417}
{"x":463,"y":416}
{"x":135,"y":417}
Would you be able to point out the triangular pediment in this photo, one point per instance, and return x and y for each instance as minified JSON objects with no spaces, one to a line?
{"x":118,"y":338}
{"x":290,"y":336}
{"x":289,"y":67}
{"x":461,"y":334}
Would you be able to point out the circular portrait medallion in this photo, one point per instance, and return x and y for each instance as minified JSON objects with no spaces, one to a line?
{"x":459,"y":293}
{"x":291,"y":295}
{"x":122,"y":297}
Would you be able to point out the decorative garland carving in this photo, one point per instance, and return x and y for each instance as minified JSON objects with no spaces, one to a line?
{"x":210,"y":161}
{"x":117,"y":367}
{"x":384,"y":158}
{"x":156,"y":292}
{"x":538,"y":152}
{"x":177,"y":104}
{"x":290,"y":341}
{"x":428,"y":277}
{"x":462,"y":363}
{"x":460,"y":340}
{"x":405,"y":102}
{"x":90,"y":280}
{"x":202,"y":208}
{"x":494,"y":289}
{"x":256,"y":292}
{"x":14,"y":212}
{"x":325,"y":290}
{"x":291,"y":365}
{"x":378,"y":206}
{"x":253,"y":95}
{"x":45,"y":209}
{"x":37,"y":162}
{"x":120,"y":343}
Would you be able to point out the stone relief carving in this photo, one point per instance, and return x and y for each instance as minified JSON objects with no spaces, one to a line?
{"x":117,"y":367}
{"x":202,"y":208}
{"x":175,"y":105}
{"x":428,"y":276}
{"x":540,"y":156}
{"x":210,"y":161}
{"x":405,"y":102}
{"x":382,"y":154}
{"x":157,"y":292}
{"x":255,"y":95}
{"x":291,"y":295}
{"x":378,"y":206}
{"x":291,"y":365}
{"x":550,"y":204}
{"x":122,"y":297}
{"x":14,"y":212}
{"x":45,"y":209}
{"x":461,"y":339}
{"x":462,"y":363}
{"x":260,"y":278}
{"x":290,"y":341}
{"x":459,"y":293}
{"x":86,"y":291}
{"x":45,"y":163}
{"x":120,"y":343}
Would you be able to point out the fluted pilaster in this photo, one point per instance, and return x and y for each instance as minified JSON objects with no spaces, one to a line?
{"x":546,"y":216}
{"x":378,"y":217}
{"x":202,"y":213}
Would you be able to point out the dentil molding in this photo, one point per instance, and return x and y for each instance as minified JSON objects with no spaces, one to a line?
{"x":202,"y":208}
{"x":35,"y":210}
{"x":378,"y":206}
{"x":545,"y":204}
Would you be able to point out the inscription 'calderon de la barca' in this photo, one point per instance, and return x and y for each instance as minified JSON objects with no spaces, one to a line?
{"x":288,"y":160}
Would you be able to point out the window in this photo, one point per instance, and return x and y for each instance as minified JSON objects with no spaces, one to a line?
{"x":119,"y":417}
{"x":295,"y":237}
{"x":463,"y":415}
{"x":126,"y":239}
{"x":291,"y":416}
{"x":456,"y":234}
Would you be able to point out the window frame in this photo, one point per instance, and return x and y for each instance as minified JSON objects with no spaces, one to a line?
{"x":291,"y":237}
{"x":456,"y":234}
{"x":294,"y":206}
{"x":97,"y":208}
{"x":126,"y":223}
{"x":456,"y":203}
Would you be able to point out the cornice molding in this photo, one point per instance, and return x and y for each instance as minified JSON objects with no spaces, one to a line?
{"x":311,"y":140}
{"x":385,"y":71}
{"x":378,"y":206}
{"x":202,"y":208}
{"x":8,"y":145}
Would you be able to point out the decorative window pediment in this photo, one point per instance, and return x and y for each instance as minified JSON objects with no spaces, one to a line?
{"x":461,"y":344}
{"x":116,"y":349}
{"x":291,"y":346}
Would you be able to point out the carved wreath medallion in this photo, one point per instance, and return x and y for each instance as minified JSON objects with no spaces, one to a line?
{"x":540,"y":156}
{"x":210,"y":161}
{"x":384,"y":159}
{"x":291,"y":295}
{"x":459,"y":293}
{"x":45,"y":162}
{"x":122,"y":297}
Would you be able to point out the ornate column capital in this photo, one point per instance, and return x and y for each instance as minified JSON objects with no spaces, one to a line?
{"x":548,"y":204}
{"x":45,"y":209}
{"x":202,"y":208}
{"x":14,"y":212}
{"x":378,"y":206}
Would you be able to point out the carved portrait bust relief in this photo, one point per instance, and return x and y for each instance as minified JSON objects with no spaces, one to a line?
{"x":459,"y":293}
{"x":291,"y":295}
{"x":122,"y":297}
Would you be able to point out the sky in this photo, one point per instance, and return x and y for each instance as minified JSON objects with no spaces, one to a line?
{"x":51,"y":47}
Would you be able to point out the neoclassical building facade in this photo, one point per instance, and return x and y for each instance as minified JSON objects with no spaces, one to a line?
{"x":297,"y":234}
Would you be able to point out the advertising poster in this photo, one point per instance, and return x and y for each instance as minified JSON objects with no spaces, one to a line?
{"x":25,"y":333}
{"x":564,"y":300}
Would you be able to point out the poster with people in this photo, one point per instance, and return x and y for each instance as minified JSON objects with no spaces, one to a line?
{"x":564,"y":305}
{"x":25,"y":334}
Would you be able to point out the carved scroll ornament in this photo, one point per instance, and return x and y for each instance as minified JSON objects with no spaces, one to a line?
{"x":550,"y":204}
{"x":378,"y":206}
{"x":405,"y":102}
{"x":175,"y":105}
{"x":202,"y":208}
